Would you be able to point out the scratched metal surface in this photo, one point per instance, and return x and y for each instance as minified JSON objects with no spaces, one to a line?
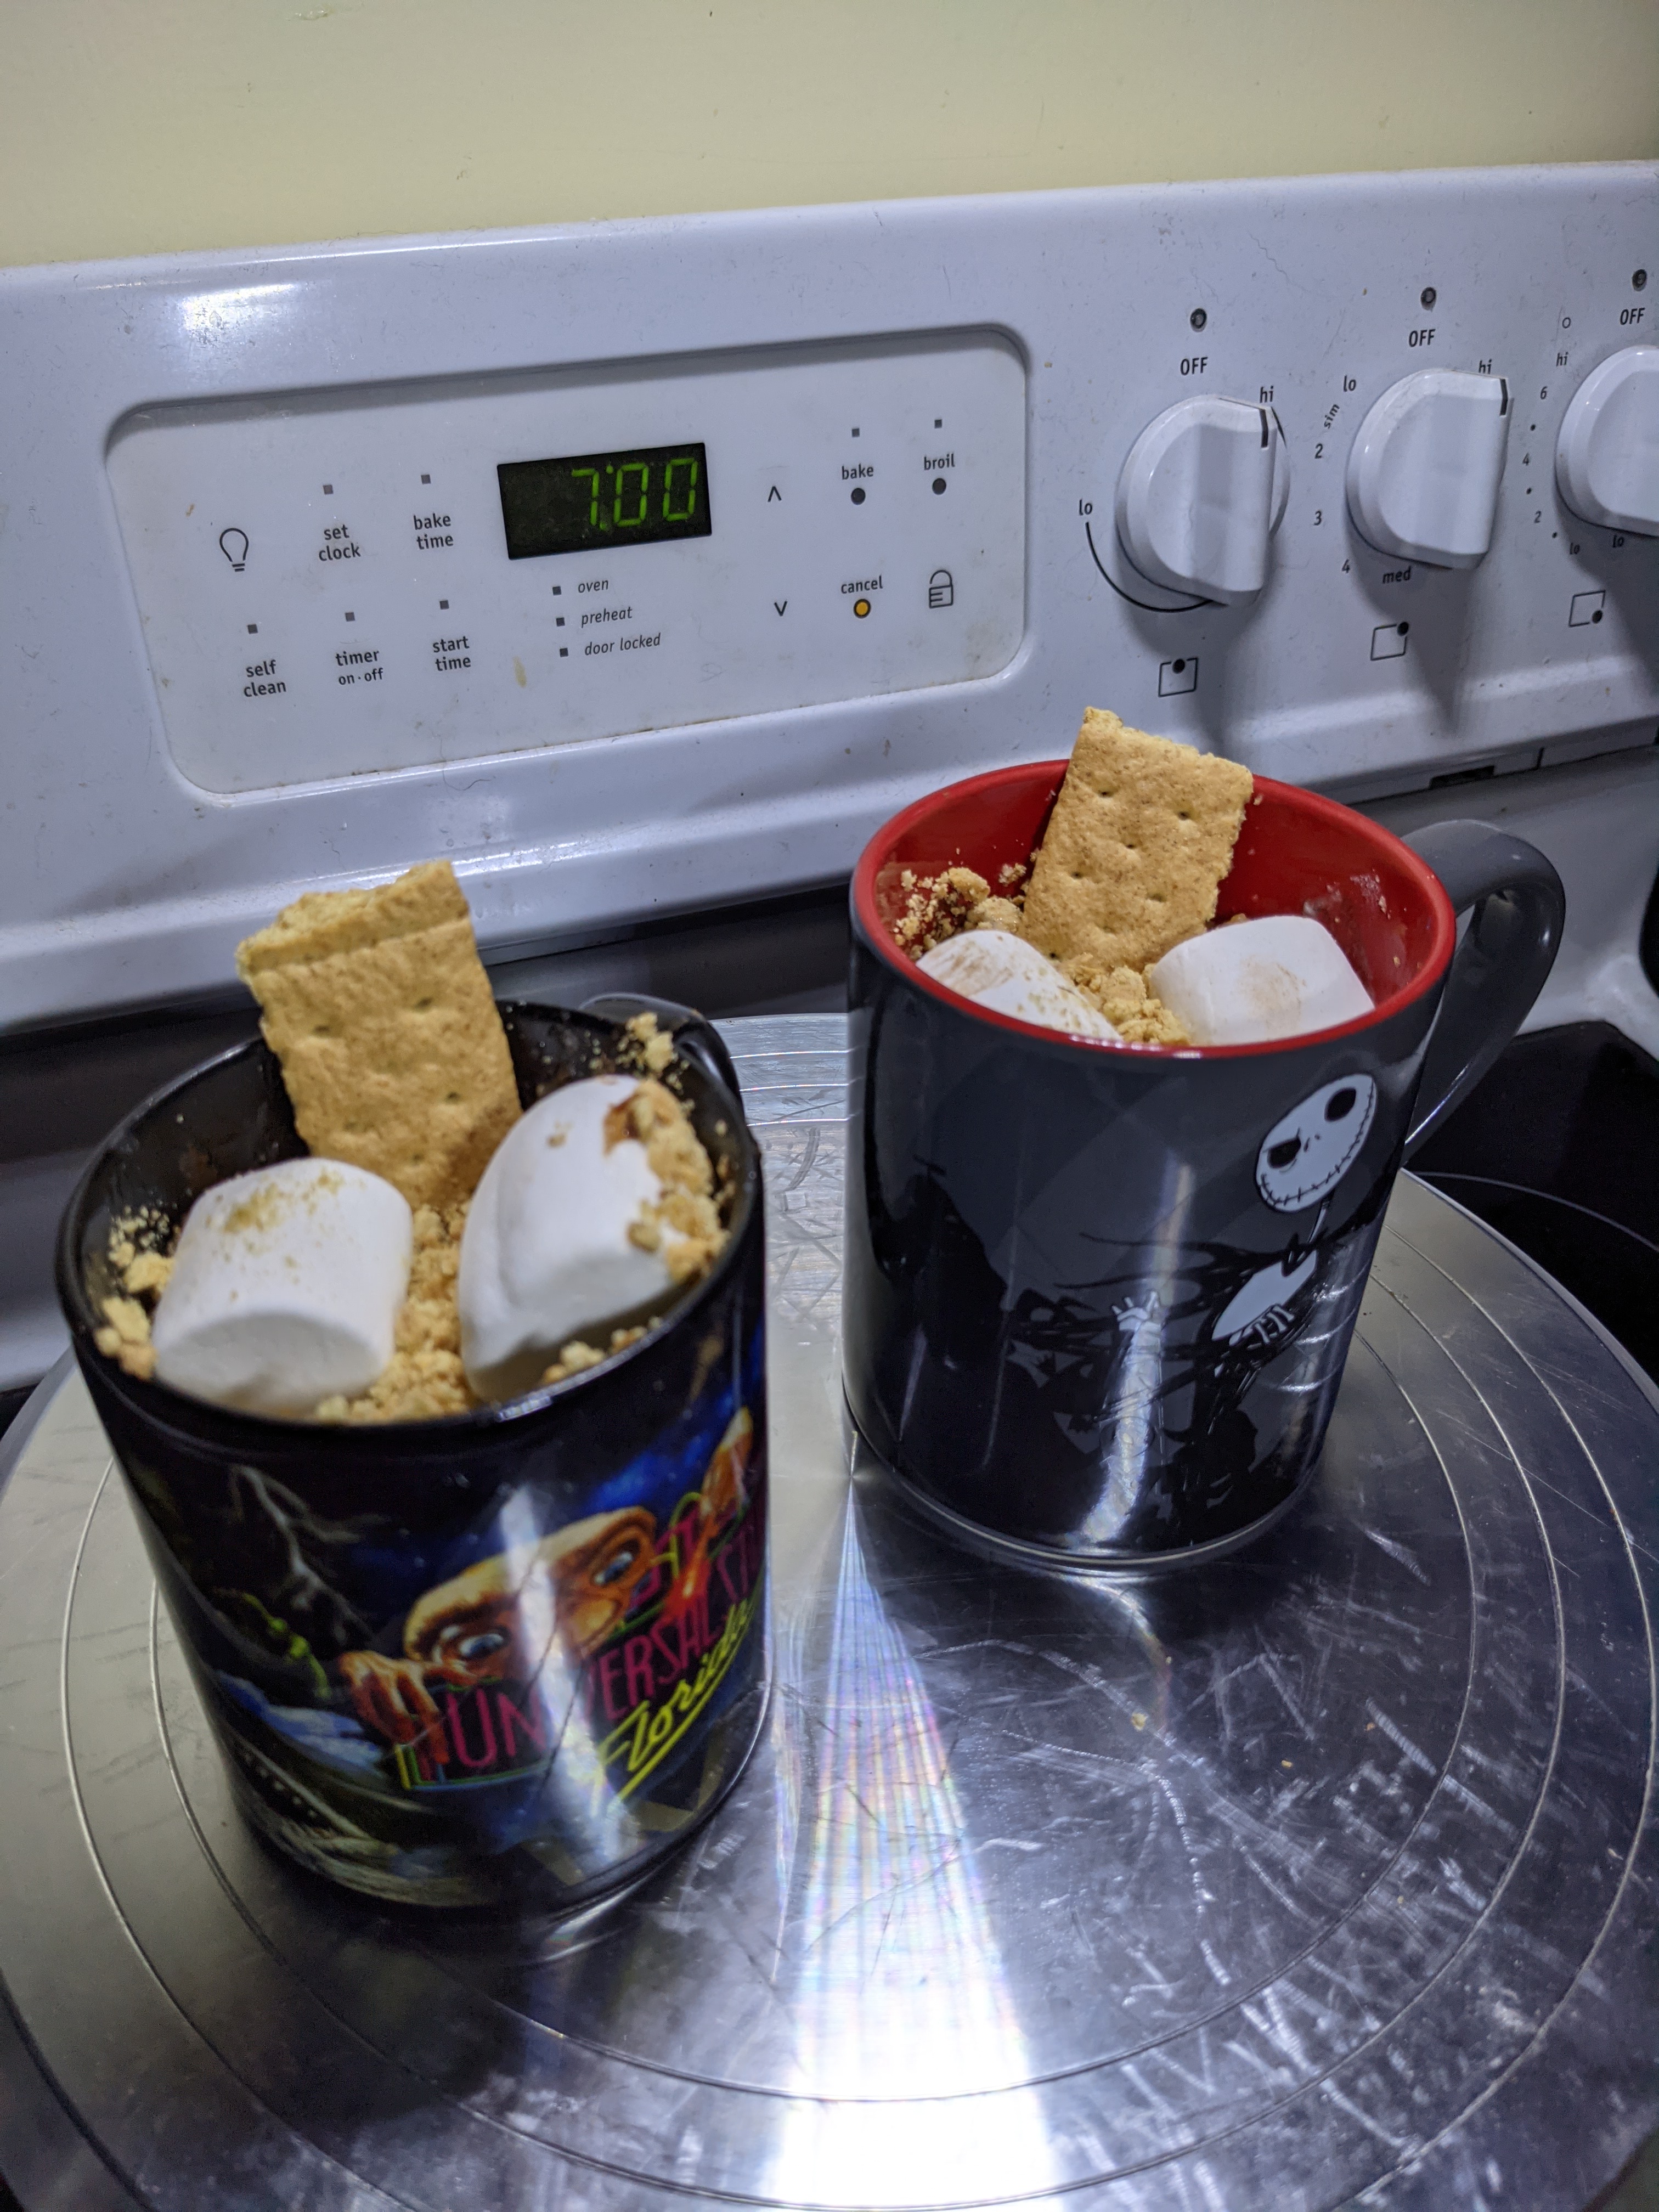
{"x":1324,"y":1874}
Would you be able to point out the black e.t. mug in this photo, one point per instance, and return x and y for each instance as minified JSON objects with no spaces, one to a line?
{"x":511,"y":1656}
{"x":1098,"y":1296}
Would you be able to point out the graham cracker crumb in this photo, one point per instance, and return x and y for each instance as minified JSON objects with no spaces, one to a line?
{"x":259,"y":1212}
{"x":137,"y":1359}
{"x":677,"y":1158}
{"x":1140,"y":837}
{"x":1129,"y":1003}
{"x":146,"y":1272}
{"x":125,"y":1337}
{"x":424,"y":1378}
{"x":575,"y":1356}
{"x":656,"y":1046}
{"x":142,"y":1268}
{"x":995,"y":914}
{"x":936,"y":907}
{"x":379,"y":1008}
{"x":128,"y":1319}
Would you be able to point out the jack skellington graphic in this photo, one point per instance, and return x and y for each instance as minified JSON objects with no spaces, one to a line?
{"x":1302,"y":1160}
{"x":1163,"y":1407}
{"x":1158,"y":1388}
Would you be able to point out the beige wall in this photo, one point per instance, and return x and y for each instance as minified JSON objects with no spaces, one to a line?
{"x":136,"y":126}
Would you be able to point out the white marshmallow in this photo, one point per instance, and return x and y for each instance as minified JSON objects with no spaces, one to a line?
{"x":545,"y":1256}
{"x":995,"y":968}
{"x":285,"y":1287}
{"x":1250,"y":981}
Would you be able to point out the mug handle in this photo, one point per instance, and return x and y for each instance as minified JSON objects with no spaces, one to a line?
{"x":1501,"y":965}
{"x":695,"y":1036}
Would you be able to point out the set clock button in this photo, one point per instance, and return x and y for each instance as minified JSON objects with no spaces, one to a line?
{"x":1424,"y":473}
{"x":1606,"y":458}
{"x":1199,"y":495}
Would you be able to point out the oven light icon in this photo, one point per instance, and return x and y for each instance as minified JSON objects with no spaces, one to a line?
{"x":232,"y":543}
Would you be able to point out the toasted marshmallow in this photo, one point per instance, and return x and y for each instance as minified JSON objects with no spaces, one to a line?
{"x":546,"y":1256}
{"x":1250,"y":981}
{"x":995,"y":968}
{"x":285,"y":1287}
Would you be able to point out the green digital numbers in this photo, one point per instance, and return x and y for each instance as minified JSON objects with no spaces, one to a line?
{"x":643,"y":469}
{"x":586,"y":500}
{"x":670,"y":512}
{"x":593,"y":501}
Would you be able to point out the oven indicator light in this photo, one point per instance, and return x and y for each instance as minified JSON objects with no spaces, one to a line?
{"x":861,"y":607}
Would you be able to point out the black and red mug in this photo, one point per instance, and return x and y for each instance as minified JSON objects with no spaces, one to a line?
{"x":1098,"y":1296}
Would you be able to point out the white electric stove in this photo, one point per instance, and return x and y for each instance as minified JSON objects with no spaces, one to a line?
{"x":642,"y":569}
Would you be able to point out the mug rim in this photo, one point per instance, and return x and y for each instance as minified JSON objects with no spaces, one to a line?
{"x":877,"y":850}
{"x":164,"y":1406}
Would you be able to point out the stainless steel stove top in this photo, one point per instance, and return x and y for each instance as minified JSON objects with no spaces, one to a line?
{"x":1325,"y":1874}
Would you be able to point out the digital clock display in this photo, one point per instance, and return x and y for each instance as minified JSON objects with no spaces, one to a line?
{"x":589,"y":503}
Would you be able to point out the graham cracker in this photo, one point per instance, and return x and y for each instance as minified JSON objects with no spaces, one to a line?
{"x":1140,"y":837}
{"x":378,"y":1008}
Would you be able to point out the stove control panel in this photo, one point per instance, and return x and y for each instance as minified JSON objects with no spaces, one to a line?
{"x":650,"y":566}
{"x":332,"y":587}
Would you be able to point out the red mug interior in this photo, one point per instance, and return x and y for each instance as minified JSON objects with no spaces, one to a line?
{"x":1298,"y":853}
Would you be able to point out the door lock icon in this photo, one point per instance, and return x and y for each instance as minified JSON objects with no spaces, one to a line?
{"x":941,"y":592}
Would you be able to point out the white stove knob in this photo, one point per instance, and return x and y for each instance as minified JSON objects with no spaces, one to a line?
{"x":1424,"y":473}
{"x":1199,"y":495}
{"x":1606,"y":458}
